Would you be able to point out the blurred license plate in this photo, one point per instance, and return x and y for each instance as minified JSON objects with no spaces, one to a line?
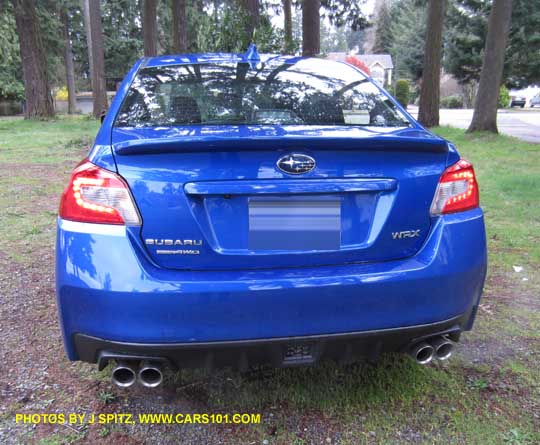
{"x":294,"y":224}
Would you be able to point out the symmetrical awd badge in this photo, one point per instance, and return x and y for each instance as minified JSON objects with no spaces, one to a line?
{"x":296,"y":164}
{"x":158,"y":242}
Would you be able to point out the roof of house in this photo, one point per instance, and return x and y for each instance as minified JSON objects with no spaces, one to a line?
{"x":369,"y":59}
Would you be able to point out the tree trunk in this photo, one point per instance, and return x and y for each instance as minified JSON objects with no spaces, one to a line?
{"x":179,"y":27}
{"x":311,"y":33}
{"x":150,"y":27}
{"x":88,"y":30}
{"x":485,"y":109}
{"x":287,"y":13}
{"x":34,"y":61}
{"x":99,"y":89}
{"x":68,"y":62}
{"x":251,"y":8}
{"x":428,"y":114}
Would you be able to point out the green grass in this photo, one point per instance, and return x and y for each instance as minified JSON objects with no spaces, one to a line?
{"x":509,"y":176}
{"x":396,"y":401}
{"x":61,"y":439}
{"x":45,"y":142}
{"x":36,"y":158}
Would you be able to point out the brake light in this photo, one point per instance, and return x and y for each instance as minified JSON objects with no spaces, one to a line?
{"x":96,"y":195}
{"x":457,"y":190}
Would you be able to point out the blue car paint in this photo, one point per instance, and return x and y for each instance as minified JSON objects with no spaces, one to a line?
{"x":370,"y":217}
{"x":110,"y":286}
{"x":110,"y":289}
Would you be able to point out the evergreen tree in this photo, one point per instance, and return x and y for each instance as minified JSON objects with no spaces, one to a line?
{"x":288,"y":46}
{"x":464,"y":39}
{"x":50,"y":27}
{"x":37,"y":90}
{"x":149,"y":18}
{"x":99,"y":87}
{"x":485,"y":108}
{"x":227,"y":28}
{"x":523,"y":52}
{"x":179,"y":26}
{"x":383,"y":31}
{"x":428,"y":113}
{"x":345,"y":13}
{"x":409,"y":30}
{"x":11,"y":85}
{"x":332,"y":39}
{"x":311,"y":41}
{"x":252,"y":12}
{"x":122,"y":36}
{"x":356,"y":40}
{"x":68,"y":61}
{"x":467,"y":28}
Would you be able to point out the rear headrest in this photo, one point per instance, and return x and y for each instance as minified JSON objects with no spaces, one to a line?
{"x":322,"y":110}
{"x":184,"y":110}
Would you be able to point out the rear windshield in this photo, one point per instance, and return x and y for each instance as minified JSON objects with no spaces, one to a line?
{"x":308,"y":92}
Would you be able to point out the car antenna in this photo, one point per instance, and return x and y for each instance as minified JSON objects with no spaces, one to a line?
{"x":252,"y":56}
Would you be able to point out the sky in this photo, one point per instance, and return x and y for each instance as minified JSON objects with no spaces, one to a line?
{"x":369,"y":5}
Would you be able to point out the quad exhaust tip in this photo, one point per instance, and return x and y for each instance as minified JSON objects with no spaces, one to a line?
{"x":124,"y":374}
{"x":439,"y":348}
{"x":150,"y":374}
{"x":422,"y":352}
{"x":443,"y":347}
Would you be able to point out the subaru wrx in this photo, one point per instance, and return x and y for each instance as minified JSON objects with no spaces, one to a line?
{"x":241,"y":209}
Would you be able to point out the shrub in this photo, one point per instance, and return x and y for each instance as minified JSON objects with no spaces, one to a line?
{"x":403,"y":92}
{"x":504,"y":97}
{"x":452,"y":102}
{"x":62,"y":94}
{"x":358,"y":64}
{"x":10,"y":88}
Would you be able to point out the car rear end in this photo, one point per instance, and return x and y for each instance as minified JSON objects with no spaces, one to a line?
{"x":280,"y":212}
{"x":518,"y":100}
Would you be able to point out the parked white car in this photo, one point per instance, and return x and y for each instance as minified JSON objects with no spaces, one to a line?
{"x":522,"y":98}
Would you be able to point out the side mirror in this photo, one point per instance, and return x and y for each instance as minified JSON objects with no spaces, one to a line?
{"x":102,"y":117}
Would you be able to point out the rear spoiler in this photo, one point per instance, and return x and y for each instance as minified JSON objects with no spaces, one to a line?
{"x":187,"y":144}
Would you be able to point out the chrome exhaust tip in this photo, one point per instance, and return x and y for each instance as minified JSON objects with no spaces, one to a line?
{"x":443,"y":348}
{"x":150,"y":374}
{"x":422,"y":352}
{"x":124,"y":374}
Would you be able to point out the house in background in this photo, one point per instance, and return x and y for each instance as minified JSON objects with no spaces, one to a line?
{"x":380,"y":65}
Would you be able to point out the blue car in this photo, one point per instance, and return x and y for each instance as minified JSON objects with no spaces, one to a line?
{"x":238,"y":210}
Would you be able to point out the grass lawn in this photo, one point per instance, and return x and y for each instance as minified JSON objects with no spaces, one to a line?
{"x":489,"y":393}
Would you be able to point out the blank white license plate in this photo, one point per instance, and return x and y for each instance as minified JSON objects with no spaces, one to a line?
{"x":294,"y":224}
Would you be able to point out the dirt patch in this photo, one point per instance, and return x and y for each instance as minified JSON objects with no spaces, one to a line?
{"x":505,"y":310}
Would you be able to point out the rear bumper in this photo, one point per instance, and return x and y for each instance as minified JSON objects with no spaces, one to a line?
{"x":277,"y":352}
{"x":112,"y":298}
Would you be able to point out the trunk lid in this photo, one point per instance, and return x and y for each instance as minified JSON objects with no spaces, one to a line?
{"x":214,"y":198}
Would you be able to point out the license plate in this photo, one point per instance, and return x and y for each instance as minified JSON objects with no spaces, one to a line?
{"x":294,"y":354}
{"x":294,"y":224}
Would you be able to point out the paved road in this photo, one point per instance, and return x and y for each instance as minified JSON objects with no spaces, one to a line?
{"x":521,"y":123}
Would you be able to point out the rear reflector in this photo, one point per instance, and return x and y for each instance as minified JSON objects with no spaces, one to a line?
{"x":96,"y":195}
{"x":457,"y":190}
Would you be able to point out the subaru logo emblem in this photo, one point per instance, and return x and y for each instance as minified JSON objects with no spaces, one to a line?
{"x":296,"y":164}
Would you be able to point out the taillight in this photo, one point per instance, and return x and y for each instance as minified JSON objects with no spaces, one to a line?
{"x":96,"y":195}
{"x":457,"y":190}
